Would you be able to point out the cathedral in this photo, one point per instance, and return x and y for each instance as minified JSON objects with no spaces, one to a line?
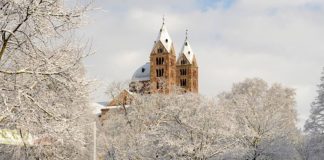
{"x":164,"y":71}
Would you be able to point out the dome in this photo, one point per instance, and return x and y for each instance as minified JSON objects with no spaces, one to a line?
{"x":142,"y":73}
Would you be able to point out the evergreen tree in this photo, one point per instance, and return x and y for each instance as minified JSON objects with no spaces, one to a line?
{"x":315,"y":122}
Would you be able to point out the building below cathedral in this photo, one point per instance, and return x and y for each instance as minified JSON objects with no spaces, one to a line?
{"x":164,"y":72}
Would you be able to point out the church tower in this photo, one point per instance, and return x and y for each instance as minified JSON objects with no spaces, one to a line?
{"x":163,"y":63}
{"x":187,"y":68}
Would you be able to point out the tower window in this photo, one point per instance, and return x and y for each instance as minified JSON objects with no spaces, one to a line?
{"x":186,"y":44}
{"x":159,"y":85}
{"x":159,"y":60}
{"x":166,"y":40}
{"x":143,"y":70}
{"x":159,"y":72}
{"x":183,"y":61}
{"x":183,"y":82}
{"x":183,"y":72}
{"x":188,"y":52}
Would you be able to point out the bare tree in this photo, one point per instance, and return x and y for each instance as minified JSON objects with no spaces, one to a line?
{"x":43,"y":91}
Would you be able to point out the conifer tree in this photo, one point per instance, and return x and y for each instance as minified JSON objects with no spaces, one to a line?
{"x":315,"y":122}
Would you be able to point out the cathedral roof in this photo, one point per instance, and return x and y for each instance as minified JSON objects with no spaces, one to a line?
{"x":187,"y":51}
{"x":142,"y":73}
{"x":164,"y":38}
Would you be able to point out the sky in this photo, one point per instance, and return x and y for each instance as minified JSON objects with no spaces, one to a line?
{"x":279,"y":41}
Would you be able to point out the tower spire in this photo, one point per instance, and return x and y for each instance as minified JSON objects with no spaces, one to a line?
{"x":164,"y":37}
{"x":186,"y":50}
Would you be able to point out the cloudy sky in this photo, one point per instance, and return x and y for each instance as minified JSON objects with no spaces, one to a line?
{"x":276,"y":40}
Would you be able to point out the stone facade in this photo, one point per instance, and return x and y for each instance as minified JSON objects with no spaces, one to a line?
{"x":163,"y":69}
{"x":187,"y":75}
{"x":166,"y":71}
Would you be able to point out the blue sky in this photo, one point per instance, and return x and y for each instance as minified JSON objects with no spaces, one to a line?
{"x":212,"y":4}
{"x":280,"y":41}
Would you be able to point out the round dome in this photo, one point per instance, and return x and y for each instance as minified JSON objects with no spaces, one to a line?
{"x":142,"y":73}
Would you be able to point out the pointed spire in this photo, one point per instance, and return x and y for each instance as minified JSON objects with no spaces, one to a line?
{"x":186,"y":50}
{"x":164,"y":36}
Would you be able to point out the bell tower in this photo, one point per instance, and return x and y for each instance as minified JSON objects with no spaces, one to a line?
{"x":187,"y":68}
{"x":163,"y":63}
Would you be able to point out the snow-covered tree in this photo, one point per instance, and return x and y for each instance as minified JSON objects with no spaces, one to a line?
{"x":252,"y":121}
{"x":315,"y":122}
{"x":43,"y":91}
{"x":313,"y":145}
{"x":265,"y":119}
{"x":177,"y":126}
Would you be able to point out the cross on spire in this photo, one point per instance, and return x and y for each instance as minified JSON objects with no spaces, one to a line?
{"x":163,"y":19}
{"x":186,"y":34}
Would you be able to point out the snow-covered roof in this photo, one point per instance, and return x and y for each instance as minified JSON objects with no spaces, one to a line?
{"x":142,"y":73}
{"x":187,"y":51}
{"x":96,"y":107}
{"x":164,"y":38}
{"x":115,"y":107}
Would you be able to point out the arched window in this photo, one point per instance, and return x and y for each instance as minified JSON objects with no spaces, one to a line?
{"x":159,"y":72}
{"x":159,"y":60}
{"x":183,"y":82}
{"x":160,"y":50}
{"x":183,"y":61}
{"x":183,"y":72}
